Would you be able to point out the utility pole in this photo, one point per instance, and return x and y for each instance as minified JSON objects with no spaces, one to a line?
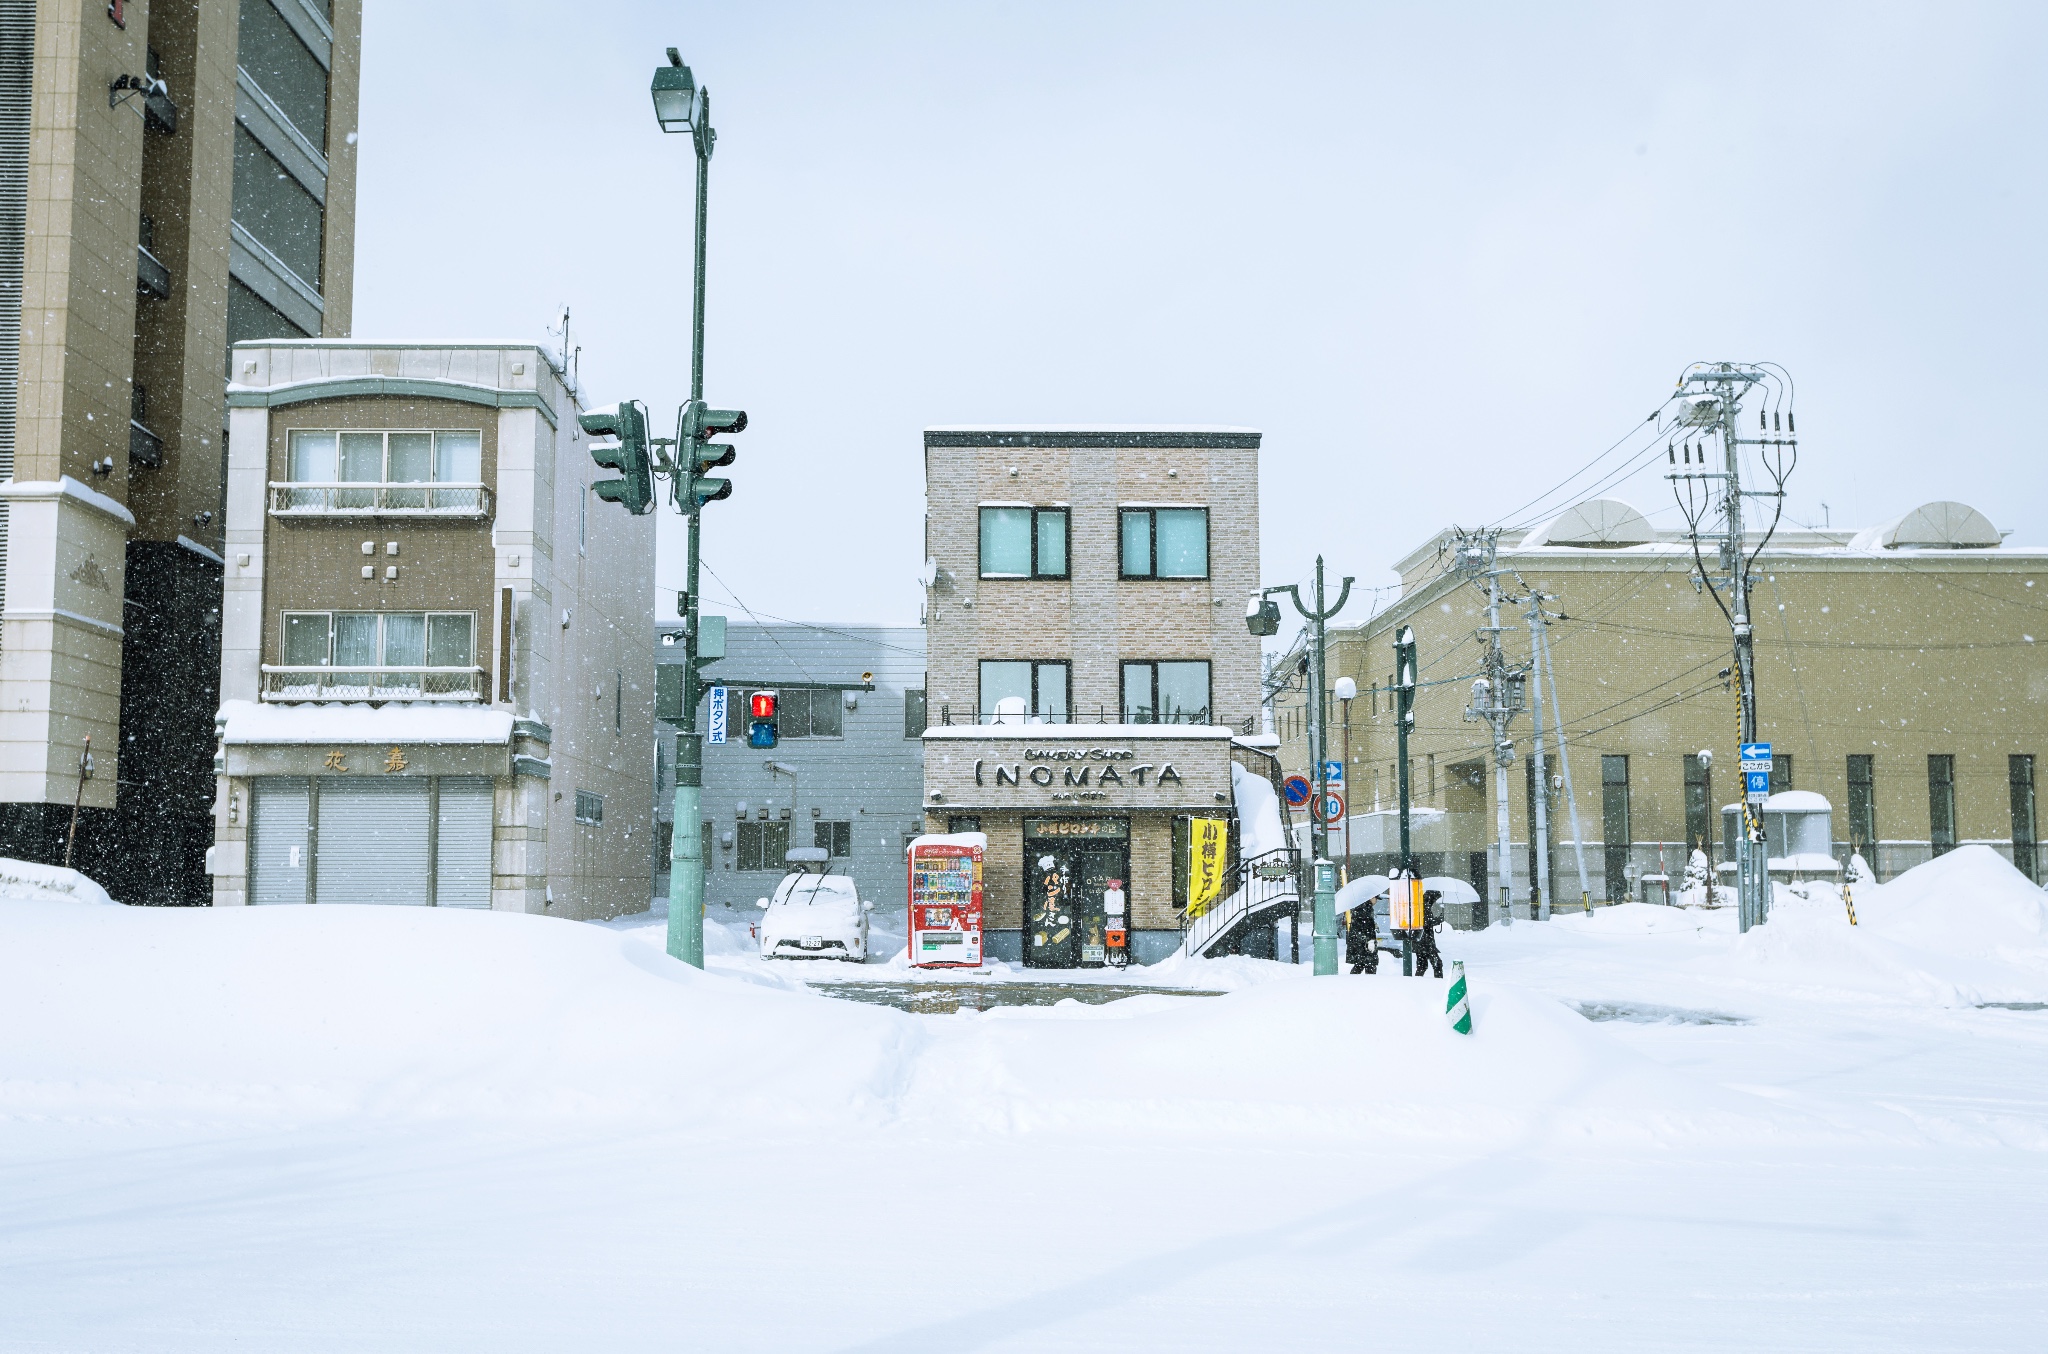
{"x":1710,"y":400}
{"x":1496,"y":697}
{"x":1539,"y":841}
{"x":1539,"y":639}
{"x":1318,"y":619}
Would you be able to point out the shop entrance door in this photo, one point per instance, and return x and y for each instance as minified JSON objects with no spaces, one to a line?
{"x":1065,"y":878}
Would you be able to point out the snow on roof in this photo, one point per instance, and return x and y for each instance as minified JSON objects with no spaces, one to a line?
{"x":1798,"y":801}
{"x":253,"y":722}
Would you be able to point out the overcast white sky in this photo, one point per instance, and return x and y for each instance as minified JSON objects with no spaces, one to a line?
{"x":1440,"y":254}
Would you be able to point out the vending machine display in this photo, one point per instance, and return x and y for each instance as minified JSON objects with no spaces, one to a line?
{"x":945,"y":899}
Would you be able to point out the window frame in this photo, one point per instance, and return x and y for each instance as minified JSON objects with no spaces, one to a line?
{"x":1152,"y":574}
{"x":1124,"y":667}
{"x":426,"y":624}
{"x":760,"y":829}
{"x":1941,"y":802}
{"x":2021,"y":784}
{"x":916,"y":712}
{"x":292,"y":436}
{"x":837,"y":834}
{"x":1616,"y":808}
{"x":1032,"y":714}
{"x":1861,"y":806}
{"x":589,"y":808}
{"x":1699,"y":807}
{"x":1037,"y":572}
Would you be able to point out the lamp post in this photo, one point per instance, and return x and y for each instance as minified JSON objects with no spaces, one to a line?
{"x":1265,"y":622}
{"x":682,"y":105}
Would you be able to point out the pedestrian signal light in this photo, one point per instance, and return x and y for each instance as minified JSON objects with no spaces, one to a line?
{"x":761,"y":716}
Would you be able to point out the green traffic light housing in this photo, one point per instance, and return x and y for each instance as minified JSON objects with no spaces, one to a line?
{"x":700,"y":424}
{"x":629,"y":455}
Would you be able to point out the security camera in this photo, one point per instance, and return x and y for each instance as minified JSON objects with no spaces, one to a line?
{"x":1706,"y":758}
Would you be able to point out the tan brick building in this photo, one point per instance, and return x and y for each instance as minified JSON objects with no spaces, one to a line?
{"x":174,"y":177}
{"x":435,"y":682}
{"x":1090,"y":675}
{"x":1900,"y":674}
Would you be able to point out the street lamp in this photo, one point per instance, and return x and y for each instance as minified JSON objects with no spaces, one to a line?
{"x":1346,"y":691}
{"x":682,"y":105}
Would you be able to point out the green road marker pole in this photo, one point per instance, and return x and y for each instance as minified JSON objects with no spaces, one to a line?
{"x":1457,"y":1009}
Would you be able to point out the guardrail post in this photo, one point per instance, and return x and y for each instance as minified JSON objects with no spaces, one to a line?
{"x":1326,"y":919}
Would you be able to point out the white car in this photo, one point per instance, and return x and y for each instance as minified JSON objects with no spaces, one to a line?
{"x":814,"y":915}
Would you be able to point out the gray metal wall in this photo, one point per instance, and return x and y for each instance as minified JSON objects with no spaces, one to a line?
{"x":872,"y":776}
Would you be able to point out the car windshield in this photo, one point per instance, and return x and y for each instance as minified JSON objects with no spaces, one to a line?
{"x":802,"y":890}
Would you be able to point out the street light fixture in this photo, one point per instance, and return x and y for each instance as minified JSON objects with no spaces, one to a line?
{"x":675,"y":94}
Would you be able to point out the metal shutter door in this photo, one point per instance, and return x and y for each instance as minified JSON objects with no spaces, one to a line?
{"x":373,"y":841}
{"x":278,"y":830}
{"x":462,"y":843}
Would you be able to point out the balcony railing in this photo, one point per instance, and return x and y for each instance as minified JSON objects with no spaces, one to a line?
{"x":948,"y":715}
{"x":300,"y":498}
{"x":290,"y":684}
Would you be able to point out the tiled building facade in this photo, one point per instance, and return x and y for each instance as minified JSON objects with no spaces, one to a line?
{"x":173,"y":178}
{"x":1088,"y":663}
{"x":436,"y":687}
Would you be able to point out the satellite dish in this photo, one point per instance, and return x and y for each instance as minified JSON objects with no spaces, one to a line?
{"x":929,"y":574}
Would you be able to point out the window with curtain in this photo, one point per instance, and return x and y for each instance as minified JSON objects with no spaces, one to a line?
{"x":328,"y":456}
{"x":379,"y":639}
{"x":1163,"y":542}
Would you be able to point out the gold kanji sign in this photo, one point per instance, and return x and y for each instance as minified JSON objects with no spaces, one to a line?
{"x":334,"y":760}
{"x":395,"y":760}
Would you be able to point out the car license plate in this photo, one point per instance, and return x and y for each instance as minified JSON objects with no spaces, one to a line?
{"x":813,"y":942}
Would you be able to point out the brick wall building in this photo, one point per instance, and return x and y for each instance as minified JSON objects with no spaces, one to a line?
{"x":1088,"y":664}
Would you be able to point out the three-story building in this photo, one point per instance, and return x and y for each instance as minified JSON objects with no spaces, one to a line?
{"x":1090,"y":676}
{"x":435,"y":682}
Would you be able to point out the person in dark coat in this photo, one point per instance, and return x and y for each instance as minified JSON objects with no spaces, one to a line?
{"x":1362,"y":939}
{"x":1427,"y":955}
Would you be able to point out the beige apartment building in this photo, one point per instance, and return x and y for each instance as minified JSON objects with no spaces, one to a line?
{"x":1898,"y":675}
{"x":1090,"y":680}
{"x":435,"y":682}
{"x":174,"y":178}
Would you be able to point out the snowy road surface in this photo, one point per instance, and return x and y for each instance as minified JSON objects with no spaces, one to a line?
{"x":358,"y":1128}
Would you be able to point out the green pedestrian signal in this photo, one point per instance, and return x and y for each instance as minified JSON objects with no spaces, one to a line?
{"x":628,"y":455}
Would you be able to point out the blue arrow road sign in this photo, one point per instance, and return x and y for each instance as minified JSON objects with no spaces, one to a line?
{"x":1333,"y":772}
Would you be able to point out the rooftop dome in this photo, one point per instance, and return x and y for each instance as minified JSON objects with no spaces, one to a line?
{"x":1598,"y":523}
{"x":1941,"y":526}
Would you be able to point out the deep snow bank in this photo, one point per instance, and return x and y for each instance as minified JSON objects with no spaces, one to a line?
{"x":285,"y":1015}
{"x":24,"y":880}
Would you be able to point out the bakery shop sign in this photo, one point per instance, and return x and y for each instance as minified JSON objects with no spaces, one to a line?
{"x":1076,"y":774}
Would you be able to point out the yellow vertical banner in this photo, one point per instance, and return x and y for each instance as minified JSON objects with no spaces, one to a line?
{"x":1208,"y":854}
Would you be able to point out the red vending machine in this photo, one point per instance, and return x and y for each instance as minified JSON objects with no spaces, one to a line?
{"x":945,"y":899}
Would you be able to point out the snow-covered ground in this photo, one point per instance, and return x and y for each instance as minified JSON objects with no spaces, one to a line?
{"x":381,"y":1128}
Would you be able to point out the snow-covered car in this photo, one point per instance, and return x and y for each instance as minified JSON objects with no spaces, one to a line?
{"x":814,"y":915}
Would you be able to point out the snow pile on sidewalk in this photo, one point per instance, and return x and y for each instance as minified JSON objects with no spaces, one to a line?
{"x":24,"y":879}
{"x":291,"y":1015}
{"x":1964,"y":929}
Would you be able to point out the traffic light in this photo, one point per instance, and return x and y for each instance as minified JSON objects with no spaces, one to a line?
{"x":1404,"y":673}
{"x":761,"y":720}
{"x":629,"y":455}
{"x":700,"y":453}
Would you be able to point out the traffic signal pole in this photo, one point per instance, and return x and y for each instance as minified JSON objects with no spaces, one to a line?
{"x":686,"y":842}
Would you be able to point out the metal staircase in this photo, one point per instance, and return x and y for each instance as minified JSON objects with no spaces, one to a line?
{"x":1265,"y":889}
